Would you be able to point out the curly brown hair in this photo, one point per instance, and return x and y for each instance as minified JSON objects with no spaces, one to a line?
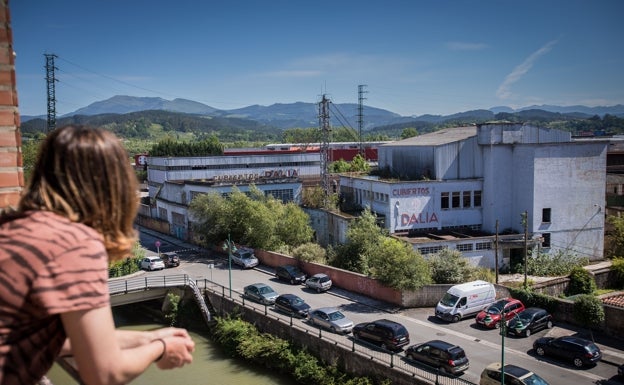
{"x":84,"y":174}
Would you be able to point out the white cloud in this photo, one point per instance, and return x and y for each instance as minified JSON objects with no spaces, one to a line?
{"x":504,"y":90}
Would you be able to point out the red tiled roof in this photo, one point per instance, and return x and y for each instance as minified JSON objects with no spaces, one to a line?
{"x":616,"y":300}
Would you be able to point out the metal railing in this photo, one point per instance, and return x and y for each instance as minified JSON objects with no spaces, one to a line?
{"x":371,"y":351}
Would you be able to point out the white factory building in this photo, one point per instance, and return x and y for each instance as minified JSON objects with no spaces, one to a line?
{"x":174,"y":181}
{"x":468,"y":188}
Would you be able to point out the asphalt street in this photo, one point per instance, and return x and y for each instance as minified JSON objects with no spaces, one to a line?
{"x":482,"y":346}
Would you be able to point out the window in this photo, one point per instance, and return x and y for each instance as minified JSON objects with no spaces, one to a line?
{"x":455,"y":199}
{"x":444,"y":201}
{"x":477,"y":199}
{"x":546,"y":215}
{"x":464,"y":247}
{"x":466,"y":199}
{"x":546,"y":241}
{"x":484,"y":246}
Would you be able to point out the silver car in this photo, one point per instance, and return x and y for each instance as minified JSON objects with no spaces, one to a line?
{"x":330,"y":318}
{"x":319,"y":282}
{"x":260,"y":292}
{"x":245,"y":258}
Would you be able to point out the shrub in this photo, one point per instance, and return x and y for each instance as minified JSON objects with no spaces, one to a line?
{"x":530,"y":298}
{"x":483,"y":273}
{"x":581,"y":282}
{"x":588,"y":311}
{"x":618,"y":267}
{"x":559,"y":263}
{"x":310,"y":252}
{"x":449,"y":266}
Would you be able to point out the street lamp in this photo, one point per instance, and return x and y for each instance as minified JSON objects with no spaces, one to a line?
{"x":230,"y":248}
{"x":503,"y":331}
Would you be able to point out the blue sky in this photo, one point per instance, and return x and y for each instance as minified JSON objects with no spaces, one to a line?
{"x":415,"y":57}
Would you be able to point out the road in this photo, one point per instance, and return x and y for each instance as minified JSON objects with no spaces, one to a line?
{"x":482,"y":346}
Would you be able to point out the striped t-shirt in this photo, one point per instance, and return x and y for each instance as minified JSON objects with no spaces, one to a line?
{"x":48,"y":266}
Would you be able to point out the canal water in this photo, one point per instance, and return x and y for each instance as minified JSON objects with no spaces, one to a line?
{"x":210,"y":365}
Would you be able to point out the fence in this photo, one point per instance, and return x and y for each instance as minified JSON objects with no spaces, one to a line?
{"x":357,"y":356}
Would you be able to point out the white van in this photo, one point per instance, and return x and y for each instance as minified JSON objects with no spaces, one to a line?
{"x":465,"y":299}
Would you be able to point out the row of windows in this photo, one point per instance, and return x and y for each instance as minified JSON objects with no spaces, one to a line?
{"x":460,"y":247}
{"x":234,"y":166}
{"x":460,"y":199}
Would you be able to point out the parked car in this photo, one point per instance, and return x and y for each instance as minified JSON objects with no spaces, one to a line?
{"x":319,"y":282}
{"x":529,"y":321}
{"x":292,"y":304}
{"x":171,"y":259}
{"x":260,"y":292}
{"x":330,"y":318}
{"x":578,"y":350}
{"x":152,"y":263}
{"x":290,"y":273}
{"x":389,"y":335}
{"x":245,"y":258}
{"x":515,"y":375}
{"x":449,"y":358}
{"x":491,"y":316}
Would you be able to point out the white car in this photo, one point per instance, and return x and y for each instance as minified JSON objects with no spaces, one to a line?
{"x":245,"y":258}
{"x":152,"y":263}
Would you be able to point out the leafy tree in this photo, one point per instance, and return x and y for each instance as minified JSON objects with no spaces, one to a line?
{"x":450,"y":266}
{"x":302,"y":135}
{"x":255,"y":220}
{"x":339,"y":166}
{"x":363,"y":235}
{"x":589,"y":311}
{"x":396,"y":264}
{"x":408,"y":132}
{"x":618,"y":269}
{"x":615,"y":236}
{"x":359,"y":164}
{"x":559,"y":263}
{"x":581,"y":282}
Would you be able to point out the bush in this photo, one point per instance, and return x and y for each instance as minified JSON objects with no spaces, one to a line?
{"x":530,"y":298}
{"x":450,"y":266}
{"x":581,"y":282}
{"x":588,"y":311}
{"x":618,"y":268}
{"x":310,"y":252}
{"x":557,"y":264}
{"x":483,"y":273}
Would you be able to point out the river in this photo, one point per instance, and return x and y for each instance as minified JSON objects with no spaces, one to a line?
{"x":210,"y":365}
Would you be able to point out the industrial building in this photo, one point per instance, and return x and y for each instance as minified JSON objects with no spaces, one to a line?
{"x":481,"y":189}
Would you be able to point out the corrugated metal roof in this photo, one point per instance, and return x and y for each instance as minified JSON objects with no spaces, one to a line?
{"x":444,"y":136}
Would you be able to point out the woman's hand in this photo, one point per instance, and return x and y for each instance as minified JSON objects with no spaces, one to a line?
{"x":178,"y":349}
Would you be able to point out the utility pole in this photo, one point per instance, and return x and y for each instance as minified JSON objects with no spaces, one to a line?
{"x":361,"y":99}
{"x":525,"y":223}
{"x":496,"y":251}
{"x":50,"y":81}
{"x":325,"y":139}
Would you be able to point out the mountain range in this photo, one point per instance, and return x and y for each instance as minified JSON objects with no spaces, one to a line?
{"x":300,"y":114}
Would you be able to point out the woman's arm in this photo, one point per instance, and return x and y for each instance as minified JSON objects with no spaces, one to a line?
{"x":105,"y":360}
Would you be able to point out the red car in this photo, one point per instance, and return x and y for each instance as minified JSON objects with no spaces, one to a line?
{"x":491,"y":316}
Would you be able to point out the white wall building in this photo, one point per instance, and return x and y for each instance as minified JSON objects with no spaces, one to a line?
{"x":464,"y":185}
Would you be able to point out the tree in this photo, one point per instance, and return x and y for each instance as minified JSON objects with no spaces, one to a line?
{"x":581,"y":282}
{"x":450,"y":266}
{"x":589,"y":311}
{"x":363,"y":235}
{"x":255,"y":220}
{"x":396,"y":264}
{"x":408,"y":132}
{"x":616,"y":236}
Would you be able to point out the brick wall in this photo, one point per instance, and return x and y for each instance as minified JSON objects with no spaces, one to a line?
{"x":11,"y":171}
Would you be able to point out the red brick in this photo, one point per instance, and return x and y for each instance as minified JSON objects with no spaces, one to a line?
{"x":10,"y":179}
{"x":10,"y":159}
{"x":9,"y":198}
{"x":10,"y":139}
{"x":7,"y":98}
{"x":7,"y":117}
